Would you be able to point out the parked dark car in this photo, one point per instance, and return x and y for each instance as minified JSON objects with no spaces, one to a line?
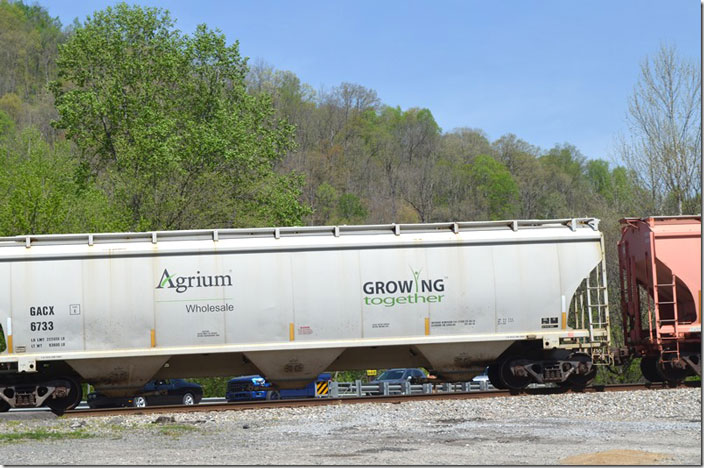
{"x":396,"y":376}
{"x":155,"y":392}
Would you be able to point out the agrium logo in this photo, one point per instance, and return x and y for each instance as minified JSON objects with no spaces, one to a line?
{"x":183,"y":283}
{"x":409,"y":291}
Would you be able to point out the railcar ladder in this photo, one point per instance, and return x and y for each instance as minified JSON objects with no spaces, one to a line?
{"x":667,"y":341}
{"x":597,"y":312}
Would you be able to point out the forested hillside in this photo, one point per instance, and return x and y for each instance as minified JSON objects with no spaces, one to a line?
{"x":125,"y":123}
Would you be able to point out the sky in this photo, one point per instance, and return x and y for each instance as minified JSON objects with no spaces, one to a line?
{"x":550,"y":72}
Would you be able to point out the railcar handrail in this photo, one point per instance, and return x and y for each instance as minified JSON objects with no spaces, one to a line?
{"x":663,"y":217}
{"x":278,"y":232}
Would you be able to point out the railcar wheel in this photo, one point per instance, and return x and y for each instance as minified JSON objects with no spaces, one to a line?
{"x":671,"y":373}
{"x":139,"y":402}
{"x":188,"y":399}
{"x":494,"y":377}
{"x":512,"y":375}
{"x":60,"y":405}
{"x":649,"y":369}
{"x":579,"y":381}
{"x":4,"y":406}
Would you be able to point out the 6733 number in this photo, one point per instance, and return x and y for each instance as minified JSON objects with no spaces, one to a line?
{"x":41,"y":326}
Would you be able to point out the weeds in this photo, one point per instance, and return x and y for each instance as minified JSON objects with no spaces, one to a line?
{"x":42,"y":434}
{"x":176,"y":430}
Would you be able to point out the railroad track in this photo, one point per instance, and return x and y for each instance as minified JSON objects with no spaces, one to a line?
{"x":394,"y":399}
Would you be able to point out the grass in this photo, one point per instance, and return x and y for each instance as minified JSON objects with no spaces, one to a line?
{"x":42,"y":434}
{"x":176,"y":430}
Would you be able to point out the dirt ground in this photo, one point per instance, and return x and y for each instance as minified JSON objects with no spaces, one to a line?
{"x":616,"y":457}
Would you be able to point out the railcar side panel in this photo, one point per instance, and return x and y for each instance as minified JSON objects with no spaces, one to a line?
{"x":456,"y":299}
{"x":264,"y":299}
{"x":469,"y":304}
{"x":155,"y":299}
{"x":116,"y":308}
{"x":47,"y":316}
{"x":324,"y":286}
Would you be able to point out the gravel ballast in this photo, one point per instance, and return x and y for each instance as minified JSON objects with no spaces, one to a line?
{"x":652,"y":427}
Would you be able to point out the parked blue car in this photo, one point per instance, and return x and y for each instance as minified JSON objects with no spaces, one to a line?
{"x":255,"y":387}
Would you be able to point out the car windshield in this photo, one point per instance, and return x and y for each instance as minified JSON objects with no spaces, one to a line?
{"x":391,"y":374}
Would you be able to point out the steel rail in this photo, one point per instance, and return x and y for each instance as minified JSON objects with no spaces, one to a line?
{"x":392,"y":399}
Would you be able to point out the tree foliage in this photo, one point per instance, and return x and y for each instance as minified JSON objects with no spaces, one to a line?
{"x":494,"y":188}
{"x":163,"y":120}
{"x":41,"y":194}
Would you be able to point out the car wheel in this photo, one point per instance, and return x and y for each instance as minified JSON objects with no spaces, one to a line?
{"x":139,"y":402}
{"x":188,"y":399}
{"x":273,"y":395}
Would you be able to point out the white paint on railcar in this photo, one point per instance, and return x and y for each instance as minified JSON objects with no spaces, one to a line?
{"x":308,"y":292}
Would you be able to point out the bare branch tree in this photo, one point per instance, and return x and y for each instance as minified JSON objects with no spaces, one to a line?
{"x":664,"y":119}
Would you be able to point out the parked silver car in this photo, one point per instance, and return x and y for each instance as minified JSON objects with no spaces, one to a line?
{"x":483,"y":377}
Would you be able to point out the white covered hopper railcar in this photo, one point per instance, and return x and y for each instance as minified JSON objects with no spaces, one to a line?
{"x":116,"y":310}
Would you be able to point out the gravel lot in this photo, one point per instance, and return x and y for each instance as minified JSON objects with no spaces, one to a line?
{"x":644,"y":427}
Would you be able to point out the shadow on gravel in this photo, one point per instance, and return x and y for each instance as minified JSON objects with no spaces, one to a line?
{"x":385,"y":449}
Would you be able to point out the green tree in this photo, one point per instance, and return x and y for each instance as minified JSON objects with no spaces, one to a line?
{"x":326,"y":198}
{"x":28,"y":50}
{"x":7,"y":126}
{"x":493,"y":187}
{"x":163,"y":122}
{"x":41,"y":194}
{"x":618,"y":188}
{"x":351,"y":209}
{"x":213,"y":387}
{"x":565,"y":184}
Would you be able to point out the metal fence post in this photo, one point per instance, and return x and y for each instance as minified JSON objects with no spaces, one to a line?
{"x":358,"y":387}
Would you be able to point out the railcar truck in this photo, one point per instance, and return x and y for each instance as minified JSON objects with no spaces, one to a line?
{"x":525,"y":297}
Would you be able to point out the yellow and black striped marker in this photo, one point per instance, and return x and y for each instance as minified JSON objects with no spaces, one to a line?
{"x":322,"y":388}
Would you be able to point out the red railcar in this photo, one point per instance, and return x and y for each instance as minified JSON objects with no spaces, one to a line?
{"x":660,"y":273}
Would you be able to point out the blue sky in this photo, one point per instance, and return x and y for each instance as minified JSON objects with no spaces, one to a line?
{"x":548,"y":71}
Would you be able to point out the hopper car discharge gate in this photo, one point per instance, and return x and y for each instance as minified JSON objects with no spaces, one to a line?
{"x":660,"y":275}
{"x":527,"y":298}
